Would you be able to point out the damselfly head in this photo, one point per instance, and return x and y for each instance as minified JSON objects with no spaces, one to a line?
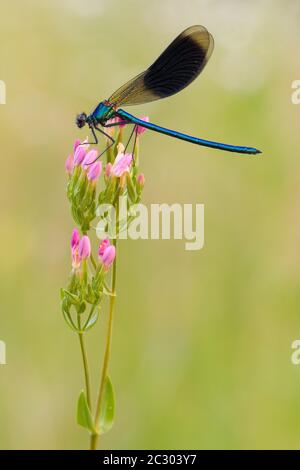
{"x":81,"y":119}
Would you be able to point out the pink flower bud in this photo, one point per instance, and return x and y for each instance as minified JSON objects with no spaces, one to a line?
{"x":79,"y":155}
{"x":75,"y":238}
{"x":94,"y":171}
{"x":103,"y":245}
{"x":84,"y":247}
{"x":108,"y":170}
{"x":140,"y":129}
{"x":89,"y":158}
{"x":69,"y":165}
{"x":121,"y":164}
{"x":121,"y":147}
{"x":107,"y":253}
{"x":109,"y":256}
{"x":140,"y":179}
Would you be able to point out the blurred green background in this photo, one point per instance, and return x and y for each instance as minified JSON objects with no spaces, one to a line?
{"x":202,"y":340}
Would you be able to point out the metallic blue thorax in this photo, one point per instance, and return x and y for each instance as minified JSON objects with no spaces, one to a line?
{"x":102,"y":113}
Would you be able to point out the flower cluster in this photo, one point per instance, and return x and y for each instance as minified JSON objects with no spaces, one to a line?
{"x":81,"y":250}
{"x":84,"y":288}
{"x":84,"y":170}
{"x":91,"y":183}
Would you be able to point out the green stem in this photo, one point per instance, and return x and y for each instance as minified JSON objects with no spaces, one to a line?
{"x":85,"y":365}
{"x":93,"y":261}
{"x":104,"y":372}
{"x":94,"y":439}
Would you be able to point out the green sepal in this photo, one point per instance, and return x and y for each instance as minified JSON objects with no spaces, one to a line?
{"x":111,"y":190}
{"x":73,"y":298}
{"x":92,"y":321}
{"x":97,"y":281}
{"x":81,"y":308}
{"x":102,"y":197}
{"x":62,"y":294}
{"x":67,"y":317}
{"x":90,"y":296}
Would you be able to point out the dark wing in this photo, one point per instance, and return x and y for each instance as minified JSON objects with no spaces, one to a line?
{"x":174,"y":69}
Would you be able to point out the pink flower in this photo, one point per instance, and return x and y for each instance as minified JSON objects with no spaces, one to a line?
{"x":140,"y":179}
{"x":79,"y":155}
{"x":110,"y":130}
{"x":140,"y":129}
{"x":76,"y":144}
{"x":121,"y":164}
{"x":108,"y":170}
{"x":107,"y":253}
{"x":84,"y":247}
{"x":109,"y":256}
{"x":94,"y":171}
{"x":116,"y":120}
{"x":75,"y":238}
{"x":89,"y":158}
{"x":69,"y":165}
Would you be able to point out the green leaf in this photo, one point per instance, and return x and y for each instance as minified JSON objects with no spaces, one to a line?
{"x":107,"y":408}
{"x":84,"y":417}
